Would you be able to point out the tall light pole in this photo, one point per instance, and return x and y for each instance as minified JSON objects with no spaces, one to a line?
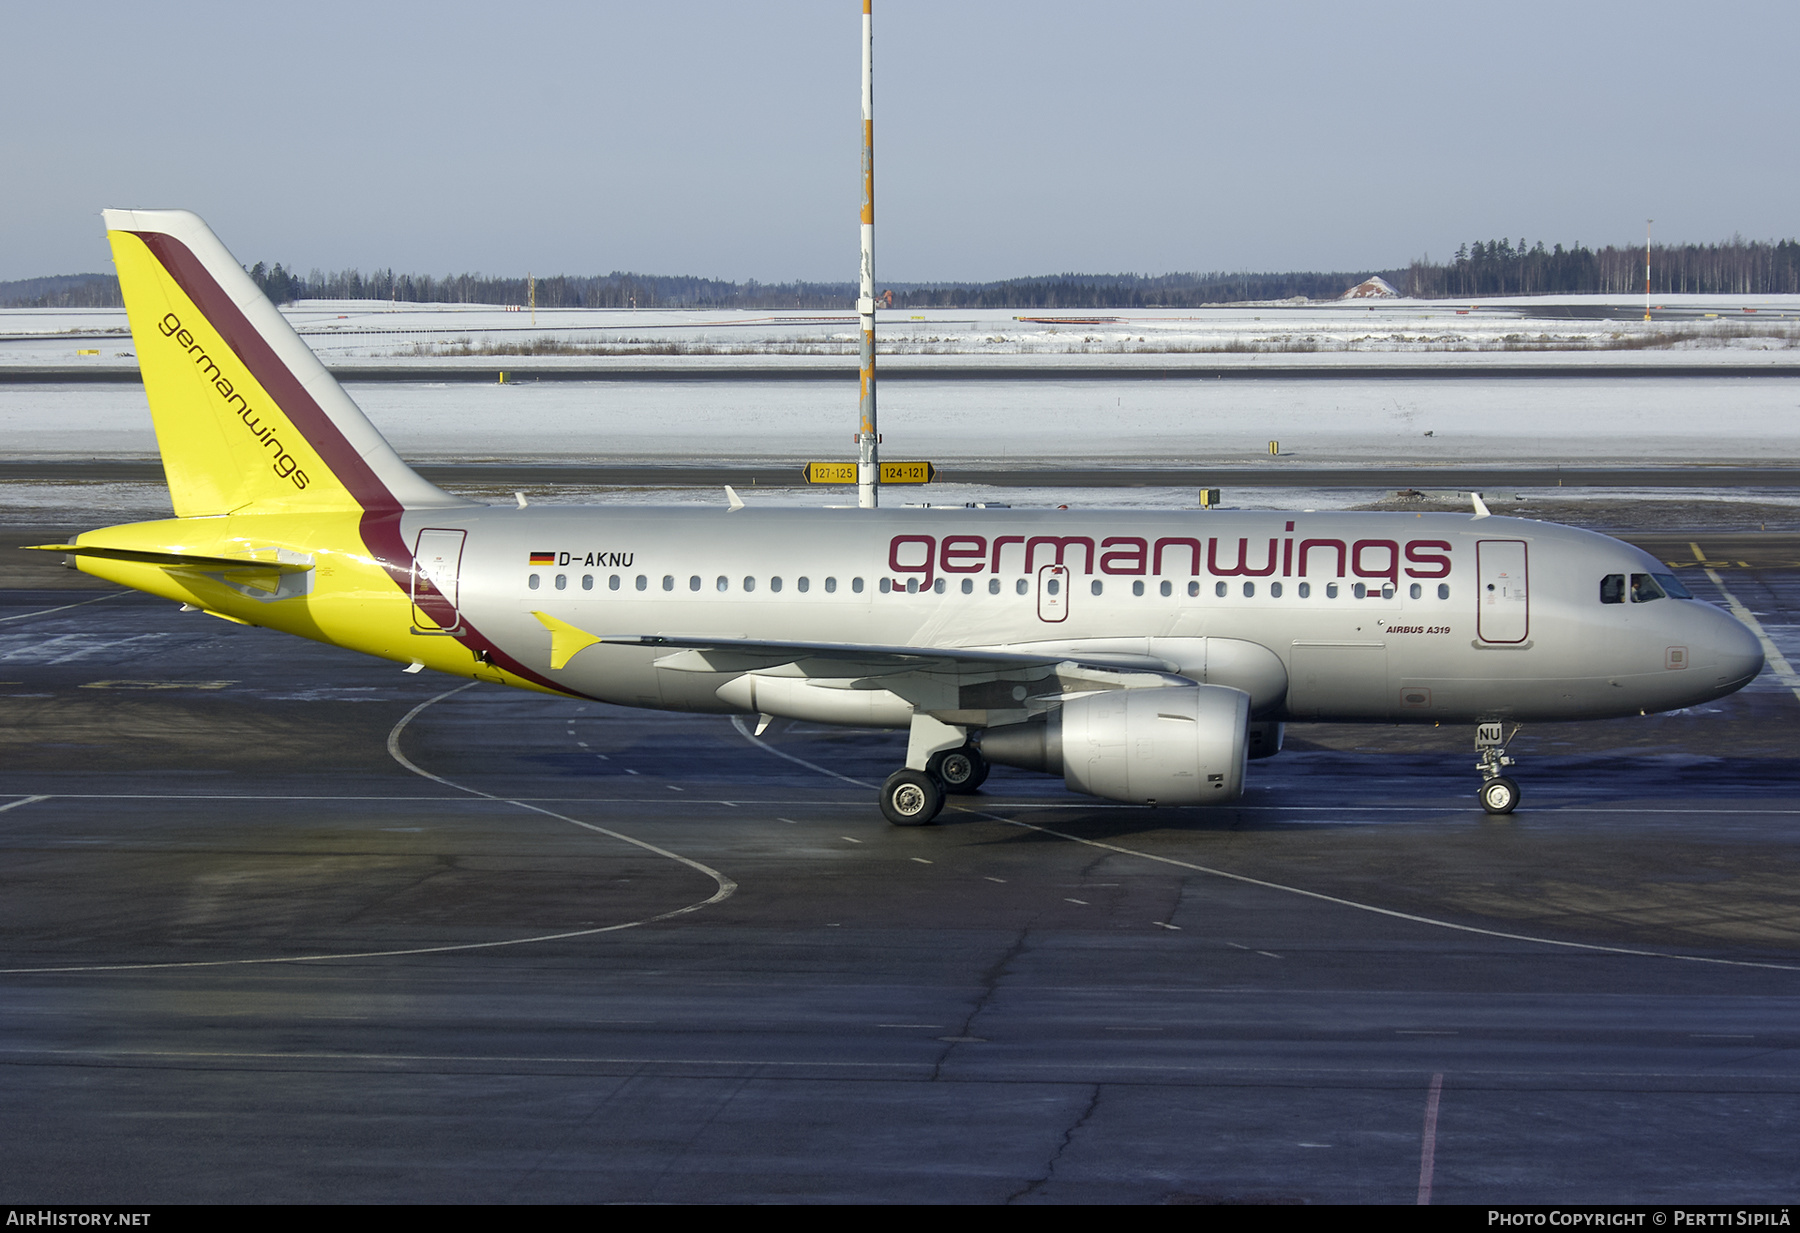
{"x":868,"y":462}
{"x":1647,"y":223}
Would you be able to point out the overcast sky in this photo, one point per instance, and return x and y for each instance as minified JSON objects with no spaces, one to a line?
{"x":722,"y":139}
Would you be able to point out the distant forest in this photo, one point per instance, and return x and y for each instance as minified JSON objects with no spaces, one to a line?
{"x":1479,"y":270}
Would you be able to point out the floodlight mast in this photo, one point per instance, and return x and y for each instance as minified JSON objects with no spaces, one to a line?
{"x":1647,"y":223}
{"x":868,"y":440}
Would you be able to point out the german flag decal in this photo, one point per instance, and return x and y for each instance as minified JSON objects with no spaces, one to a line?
{"x":543,"y":558}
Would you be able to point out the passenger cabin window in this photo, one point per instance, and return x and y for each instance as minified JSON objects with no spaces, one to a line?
{"x":804,"y":583}
{"x":643,"y":583}
{"x":587,"y":582}
{"x":668,"y":582}
{"x":562,"y":582}
{"x":532,"y":582}
{"x":830,"y":585}
{"x":1443,"y":590}
{"x":856,"y":585}
{"x":1612,"y":589}
{"x":612,"y":583}
{"x":1305,"y":590}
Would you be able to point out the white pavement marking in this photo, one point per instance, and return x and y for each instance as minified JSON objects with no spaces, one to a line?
{"x":65,"y":607}
{"x":737,"y":721}
{"x":726,"y":885}
{"x":62,"y":648}
{"x":1428,"y":1145}
{"x":1784,"y":671}
{"x":25,"y":801}
{"x":1429,"y":921}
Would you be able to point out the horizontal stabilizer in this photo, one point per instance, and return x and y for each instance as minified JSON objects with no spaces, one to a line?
{"x":174,"y":560}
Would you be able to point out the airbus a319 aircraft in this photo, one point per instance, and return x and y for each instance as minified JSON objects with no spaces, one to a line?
{"x":1143,"y":656}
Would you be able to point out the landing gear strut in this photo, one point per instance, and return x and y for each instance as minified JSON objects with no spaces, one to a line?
{"x":1499,"y":793}
{"x":961,"y":770}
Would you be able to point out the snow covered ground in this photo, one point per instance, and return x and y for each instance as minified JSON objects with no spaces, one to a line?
{"x":1351,"y":421}
{"x":1722,"y":329}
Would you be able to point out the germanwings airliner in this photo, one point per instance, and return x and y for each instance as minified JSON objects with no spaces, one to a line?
{"x":1143,"y":656}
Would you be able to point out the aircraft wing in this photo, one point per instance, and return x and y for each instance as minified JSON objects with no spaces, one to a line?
{"x":955,"y":683}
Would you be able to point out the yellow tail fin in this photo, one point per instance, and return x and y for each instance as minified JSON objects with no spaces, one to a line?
{"x":247,"y":418}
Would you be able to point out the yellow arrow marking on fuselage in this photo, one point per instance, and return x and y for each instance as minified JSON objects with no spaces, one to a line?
{"x":566,"y":640}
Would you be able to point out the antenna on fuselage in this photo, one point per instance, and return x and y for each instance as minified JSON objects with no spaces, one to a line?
{"x":1481,"y":509}
{"x":868,"y":462}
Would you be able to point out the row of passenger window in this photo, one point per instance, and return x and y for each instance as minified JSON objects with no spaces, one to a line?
{"x":1021,"y":586}
{"x":642,"y":583}
{"x":1165,"y":588}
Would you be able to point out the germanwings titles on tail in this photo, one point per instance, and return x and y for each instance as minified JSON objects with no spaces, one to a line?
{"x":1143,"y":656}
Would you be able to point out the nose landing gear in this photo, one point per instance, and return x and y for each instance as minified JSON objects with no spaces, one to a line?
{"x":1499,"y":793}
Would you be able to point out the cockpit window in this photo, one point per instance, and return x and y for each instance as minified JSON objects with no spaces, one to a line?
{"x":1612,"y":589}
{"x":1644,"y":589}
{"x":1671,"y":586}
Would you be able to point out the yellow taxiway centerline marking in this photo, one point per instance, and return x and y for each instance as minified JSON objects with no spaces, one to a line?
{"x":1784,"y":671}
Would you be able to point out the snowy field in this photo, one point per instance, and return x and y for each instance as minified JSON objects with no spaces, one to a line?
{"x":1721,"y":329}
{"x":1351,"y":421}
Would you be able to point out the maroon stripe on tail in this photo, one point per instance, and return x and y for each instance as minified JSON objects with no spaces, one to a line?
{"x":270,"y":372}
{"x":380,"y":525}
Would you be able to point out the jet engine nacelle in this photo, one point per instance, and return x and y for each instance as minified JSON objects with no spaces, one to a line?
{"x":1183,"y":745}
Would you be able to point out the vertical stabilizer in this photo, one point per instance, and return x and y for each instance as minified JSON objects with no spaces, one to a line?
{"x":247,"y":418}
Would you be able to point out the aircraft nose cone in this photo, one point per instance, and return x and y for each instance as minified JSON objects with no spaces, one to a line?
{"x":1737,"y":652}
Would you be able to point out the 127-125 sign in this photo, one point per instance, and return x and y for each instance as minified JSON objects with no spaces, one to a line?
{"x":891,"y":473}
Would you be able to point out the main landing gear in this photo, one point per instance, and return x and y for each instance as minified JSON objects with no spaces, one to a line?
{"x":911,"y":798}
{"x":959,"y":770}
{"x":914,"y":798}
{"x":1499,"y":793}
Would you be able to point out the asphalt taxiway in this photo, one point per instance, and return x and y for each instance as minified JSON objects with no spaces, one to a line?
{"x":281,"y":923}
